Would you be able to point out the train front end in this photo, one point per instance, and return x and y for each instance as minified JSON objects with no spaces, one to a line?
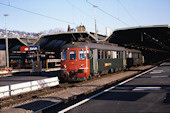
{"x":75,"y":64}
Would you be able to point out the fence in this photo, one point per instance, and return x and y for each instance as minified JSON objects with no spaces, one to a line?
{"x":15,"y":89}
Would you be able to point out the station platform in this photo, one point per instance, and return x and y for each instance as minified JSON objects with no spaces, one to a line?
{"x":39,"y":103}
{"x":25,"y":75}
{"x":22,"y":81}
{"x":20,"y":78}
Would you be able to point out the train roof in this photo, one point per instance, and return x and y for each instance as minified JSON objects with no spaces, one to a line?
{"x":94,"y":45}
{"x":132,"y":50}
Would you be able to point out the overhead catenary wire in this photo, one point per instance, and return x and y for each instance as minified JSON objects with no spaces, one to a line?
{"x":108,"y":14}
{"x":80,"y":10}
{"x":64,"y":21}
{"x":35,"y":13}
{"x":134,"y":20}
{"x":118,"y":9}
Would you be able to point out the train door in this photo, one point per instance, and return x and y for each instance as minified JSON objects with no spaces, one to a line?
{"x":95,"y":61}
{"x":124,"y":59}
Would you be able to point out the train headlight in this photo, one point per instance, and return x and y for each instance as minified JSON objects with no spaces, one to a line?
{"x":81,"y":65}
{"x":65,"y":66}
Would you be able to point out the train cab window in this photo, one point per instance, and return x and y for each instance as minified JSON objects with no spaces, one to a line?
{"x":82,"y":54}
{"x":72,"y":55}
{"x":64,"y":55}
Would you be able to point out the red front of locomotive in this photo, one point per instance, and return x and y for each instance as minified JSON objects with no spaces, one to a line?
{"x":75,"y":64}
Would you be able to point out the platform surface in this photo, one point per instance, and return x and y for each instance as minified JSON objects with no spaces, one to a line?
{"x":21,"y":77}
{"x":147,"y":93}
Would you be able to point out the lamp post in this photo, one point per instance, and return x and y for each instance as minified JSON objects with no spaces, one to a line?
{"x":95,"y":6}
{"x":6,"y":40}
{"x":95,"y":20}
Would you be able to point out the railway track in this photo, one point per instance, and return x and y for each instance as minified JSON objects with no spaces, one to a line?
{"x":14,"y":100}
{"x":26,"y":97}
{"x":17,"y":99}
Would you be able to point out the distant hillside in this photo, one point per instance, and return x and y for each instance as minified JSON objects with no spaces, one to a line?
{"x":13,"y":33}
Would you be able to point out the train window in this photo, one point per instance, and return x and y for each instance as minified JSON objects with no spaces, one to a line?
{"x":105,"y":54}
{"x":135,"y":55}
{"x":72,"y":55}
{"x":118,"y":54}
{"x":130,"y":55}
{"x":121,"y":54}
{"x":64,"y":55}
{"x":82,"y":54}
{"x":138,"y":55}
{"x":127,"y":54}
{"x":109,"y":54}
{"x":102,"y":54}
{"x":99,"y":55}
{"x":113,"y":54}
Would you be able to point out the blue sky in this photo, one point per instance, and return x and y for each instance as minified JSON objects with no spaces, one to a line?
{"x":120,"y":14}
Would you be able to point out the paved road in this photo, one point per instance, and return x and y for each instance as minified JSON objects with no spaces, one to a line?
{"x":147,"y":93}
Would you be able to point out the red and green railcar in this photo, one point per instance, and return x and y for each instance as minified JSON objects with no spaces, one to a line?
{"x":82,"y":60}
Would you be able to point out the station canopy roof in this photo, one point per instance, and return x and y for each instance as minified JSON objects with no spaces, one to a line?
{"x":56,"y":41}
{"x":149,"y":38}
{"x":15,"y":43}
